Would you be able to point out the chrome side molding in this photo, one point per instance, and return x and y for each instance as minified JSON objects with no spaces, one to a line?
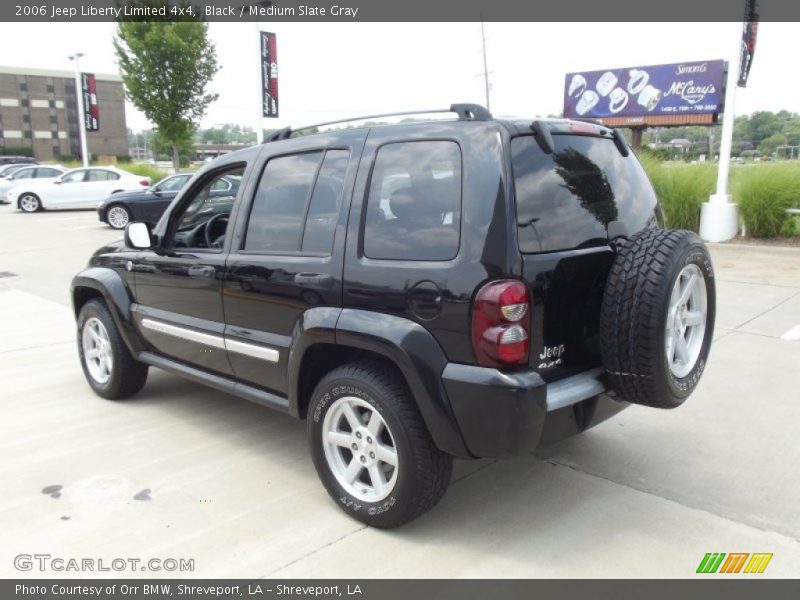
{"x":214,"y":341}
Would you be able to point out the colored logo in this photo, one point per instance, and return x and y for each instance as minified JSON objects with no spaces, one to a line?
{"x":734,"y":562}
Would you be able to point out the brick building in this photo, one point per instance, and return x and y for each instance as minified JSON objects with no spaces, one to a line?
{"x":38,"y":110}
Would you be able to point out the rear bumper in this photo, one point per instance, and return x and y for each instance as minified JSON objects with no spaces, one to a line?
{"x":507,"y":414}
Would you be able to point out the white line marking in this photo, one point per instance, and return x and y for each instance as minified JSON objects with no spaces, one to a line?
{"x":81,"y":218}
{"x":793,"y":335}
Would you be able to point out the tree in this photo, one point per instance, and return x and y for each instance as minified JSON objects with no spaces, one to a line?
{"x":768,"y":145}
{"x":162,"y":147}
{"x":166,"y":67}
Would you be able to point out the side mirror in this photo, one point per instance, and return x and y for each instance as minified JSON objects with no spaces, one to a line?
{"x":138,"y":235}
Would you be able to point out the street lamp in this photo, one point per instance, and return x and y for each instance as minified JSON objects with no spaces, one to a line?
{"x":81,"y":117}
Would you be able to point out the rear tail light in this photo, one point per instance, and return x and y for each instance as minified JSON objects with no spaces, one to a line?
{"x":501,"y":324}
{"x":144,"y":183}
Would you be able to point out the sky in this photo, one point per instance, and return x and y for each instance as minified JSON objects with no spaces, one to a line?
{"x":335,"y":70}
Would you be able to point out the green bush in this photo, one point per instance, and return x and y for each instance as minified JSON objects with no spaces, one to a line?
{"x":145,"y":170}
{"x":16,"y":150}
{"x":763,"y":193}
{"x":681,"y":189}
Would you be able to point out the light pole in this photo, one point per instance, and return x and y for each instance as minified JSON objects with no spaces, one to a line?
{"x":485,"y":66}
{"x":81,"y":118}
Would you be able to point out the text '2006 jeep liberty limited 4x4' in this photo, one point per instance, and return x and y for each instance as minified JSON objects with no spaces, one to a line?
{"x":418,"y":291}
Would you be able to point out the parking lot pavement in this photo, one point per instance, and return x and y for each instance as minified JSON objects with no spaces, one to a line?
{"x":182,"y":471}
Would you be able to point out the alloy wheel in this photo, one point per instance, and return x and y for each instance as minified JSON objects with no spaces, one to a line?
{"x":97,"y":353}
{"x":118,"y":217}
{"x":686,"y":321}
{"x":29,"y":203}
{"x":360,"y":449}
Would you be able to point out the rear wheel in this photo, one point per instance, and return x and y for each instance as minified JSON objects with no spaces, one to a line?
{"x":118,"y":216}
{"x":371,"y":448}
{"x":29,"y":203}
{"x":108,"y":365}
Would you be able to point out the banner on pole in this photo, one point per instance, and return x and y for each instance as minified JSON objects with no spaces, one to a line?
{"x":269,"y":74}
{"x":749,"y":35}
{"x":91,"y":112}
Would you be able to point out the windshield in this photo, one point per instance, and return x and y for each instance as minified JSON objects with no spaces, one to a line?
{"x":567,"y":199}
{"x":8,"y":170}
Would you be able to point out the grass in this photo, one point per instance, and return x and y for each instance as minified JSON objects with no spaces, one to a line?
{"x":763,"y":193}
{"x":681,"y":188}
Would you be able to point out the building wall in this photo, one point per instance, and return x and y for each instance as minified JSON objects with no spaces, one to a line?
{"x":38,"y":110}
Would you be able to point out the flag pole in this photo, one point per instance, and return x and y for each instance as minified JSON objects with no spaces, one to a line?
{"x":719,"y":217}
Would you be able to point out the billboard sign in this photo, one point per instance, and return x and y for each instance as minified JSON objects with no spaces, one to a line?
{"x":269,"y":74}
{"x":91,"y":113}
{"x":689,"y":88}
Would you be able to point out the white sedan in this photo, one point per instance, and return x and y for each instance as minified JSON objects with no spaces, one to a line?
{"x":78,"y":188}
{"x":29,"y":174}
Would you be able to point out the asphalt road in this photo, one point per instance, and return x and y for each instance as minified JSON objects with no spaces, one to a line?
{"x":186,"y":472}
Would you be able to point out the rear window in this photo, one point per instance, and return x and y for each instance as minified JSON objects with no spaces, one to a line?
{"x":567,"y":199}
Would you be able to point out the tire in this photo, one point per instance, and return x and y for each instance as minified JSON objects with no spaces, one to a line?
{"x":29,"y":203}
{"x":644,"y":317}
{"x":118,"y":216}
{"x":126,"y":375}
{"x":422,"y":472}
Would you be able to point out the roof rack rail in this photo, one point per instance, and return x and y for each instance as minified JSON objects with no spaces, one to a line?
{"x":465,"y":112}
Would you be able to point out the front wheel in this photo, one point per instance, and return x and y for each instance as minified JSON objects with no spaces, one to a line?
{"x":108,"y":365}
{"x":371,"y":448}
{"x":30,"y":203}
{"x":118,"y":216}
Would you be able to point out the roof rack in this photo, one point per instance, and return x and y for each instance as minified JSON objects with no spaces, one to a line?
{"x":465,"y":112}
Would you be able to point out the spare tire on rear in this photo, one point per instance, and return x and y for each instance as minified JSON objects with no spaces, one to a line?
{"x":657,"y":317}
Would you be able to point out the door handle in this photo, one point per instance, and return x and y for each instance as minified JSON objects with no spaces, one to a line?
{"x":314,"y":280}
{"x":202,"y":271}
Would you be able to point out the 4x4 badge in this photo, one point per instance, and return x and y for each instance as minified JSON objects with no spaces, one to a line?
{"x":551,"y":356}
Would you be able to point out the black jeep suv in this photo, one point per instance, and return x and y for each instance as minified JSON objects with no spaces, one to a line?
{"x":421,"y":291}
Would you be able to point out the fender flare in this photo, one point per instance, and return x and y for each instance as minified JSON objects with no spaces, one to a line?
{"x":407,"y":344}
{"x":315,"y":326}
{"x":118,"y":299}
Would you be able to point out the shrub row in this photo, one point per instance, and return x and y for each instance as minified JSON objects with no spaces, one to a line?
{"x":763,"y":192}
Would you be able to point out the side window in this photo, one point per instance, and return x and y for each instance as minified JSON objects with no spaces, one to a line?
{"x":202,"y":221}
{"x":414,"y":204}
{"x":173,"y":184}
{"x":326,"y":202}
{"x":222,"y":185}
{"x":26,"y":174}
{"x":74,"y":176}
{"x":101,"y":175}
{"x":279,"y":206}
